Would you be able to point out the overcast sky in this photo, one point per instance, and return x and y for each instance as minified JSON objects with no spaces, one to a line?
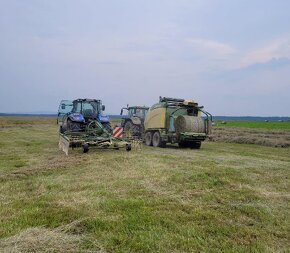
{"x":233,"y":57}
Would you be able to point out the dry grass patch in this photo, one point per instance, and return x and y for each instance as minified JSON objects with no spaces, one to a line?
{"x":69,"y":238}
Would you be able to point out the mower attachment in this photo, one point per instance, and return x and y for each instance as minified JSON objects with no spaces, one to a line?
{"x":95,"y":135}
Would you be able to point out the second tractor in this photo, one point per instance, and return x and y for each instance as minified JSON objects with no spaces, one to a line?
{"x":133,"y":121}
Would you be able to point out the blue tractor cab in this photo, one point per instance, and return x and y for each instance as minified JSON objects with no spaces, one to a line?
{"x":75,"y":115}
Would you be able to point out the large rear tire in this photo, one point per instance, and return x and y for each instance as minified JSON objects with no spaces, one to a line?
{"x":131,"y":130}
{"x":148,"y":139}
{"x":86,"y":148}
{"x":183,"y":144}
{"x":195,"y":145}
{"x":73,"y":126}
{"x":157,"y":141}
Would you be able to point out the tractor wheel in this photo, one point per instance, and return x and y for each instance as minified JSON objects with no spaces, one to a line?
{"x":157,"y":141}
{"x":183,"y":144}
{"x":148,"y":139}
{"x":195,"y":145}
{"x":107,"y":126}
{"x":137,"y":131}
{"x":86,"y":148}
{"x":131,"y":130}
{"x":61,"y":130}
{"x":128,"y":132}
{"x":128,"y":147}
{"x":73,"y":126}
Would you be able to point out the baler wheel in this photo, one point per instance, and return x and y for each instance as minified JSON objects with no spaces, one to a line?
{"x":148,"y":139}
{"x":157,"y":141}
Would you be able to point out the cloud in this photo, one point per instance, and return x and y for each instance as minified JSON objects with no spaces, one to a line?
{"x":227,"y":58}
{"x":184,"y":48}
{"x":212,"y":45}
{"x":276,"y":49}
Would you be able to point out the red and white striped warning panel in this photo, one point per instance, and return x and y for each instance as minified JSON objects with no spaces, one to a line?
{"x":118,"y":132}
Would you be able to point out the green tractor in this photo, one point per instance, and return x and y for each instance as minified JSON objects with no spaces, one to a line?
{"x":133,"y":121}
{"x":179,"y":121}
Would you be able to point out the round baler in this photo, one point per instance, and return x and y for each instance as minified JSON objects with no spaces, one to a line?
{"x":176,"y":121}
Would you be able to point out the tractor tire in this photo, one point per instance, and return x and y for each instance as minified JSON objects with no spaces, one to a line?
{"x":107,"y":126}
{"x":86,"y":148}
{"x":195,"y":145}
{"x":61,"y":130}
{"x":128,"y":147}
{"x":131,"y":130}
{"x":73,"y":126}
{"x":148,"y":139}
{"x":136,"y":131}
{"x":157,"y":141}
{"x":183,"y":144}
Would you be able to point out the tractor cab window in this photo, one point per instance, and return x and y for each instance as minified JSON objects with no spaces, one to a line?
{"x":97,"y":107}
{"x":138,"y":112}
{"x":131,"y":112}
{"x":65,"y":107}
{"x":77,"y":107}
{"x":88,"y":110}
{"x":141,"y":112}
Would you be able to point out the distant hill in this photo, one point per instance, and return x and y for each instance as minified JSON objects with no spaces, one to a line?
{"x":115,"y":116}
{"x":29,"y":114}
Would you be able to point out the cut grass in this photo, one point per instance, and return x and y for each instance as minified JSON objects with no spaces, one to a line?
{"x":68,"y":238}
{"x":265,"y":137}
{"x":254,"y":124}
{"x":225,"y":197}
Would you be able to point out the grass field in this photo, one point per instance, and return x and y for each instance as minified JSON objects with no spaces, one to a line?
{"x":223,"y":198}
{"x":254,"y":124}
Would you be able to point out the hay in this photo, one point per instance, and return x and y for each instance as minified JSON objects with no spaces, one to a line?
{"x":68,"y":238}
{"x":263,"y":137}
{"x":193,"y":124}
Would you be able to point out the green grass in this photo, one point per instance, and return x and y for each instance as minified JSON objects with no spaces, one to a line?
{"x":222,"y":198}
{"x":254,"y":124}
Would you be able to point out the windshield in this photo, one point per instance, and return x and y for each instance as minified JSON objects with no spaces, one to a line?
{"x":141,"y":112}
{"x":87,"y":108}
